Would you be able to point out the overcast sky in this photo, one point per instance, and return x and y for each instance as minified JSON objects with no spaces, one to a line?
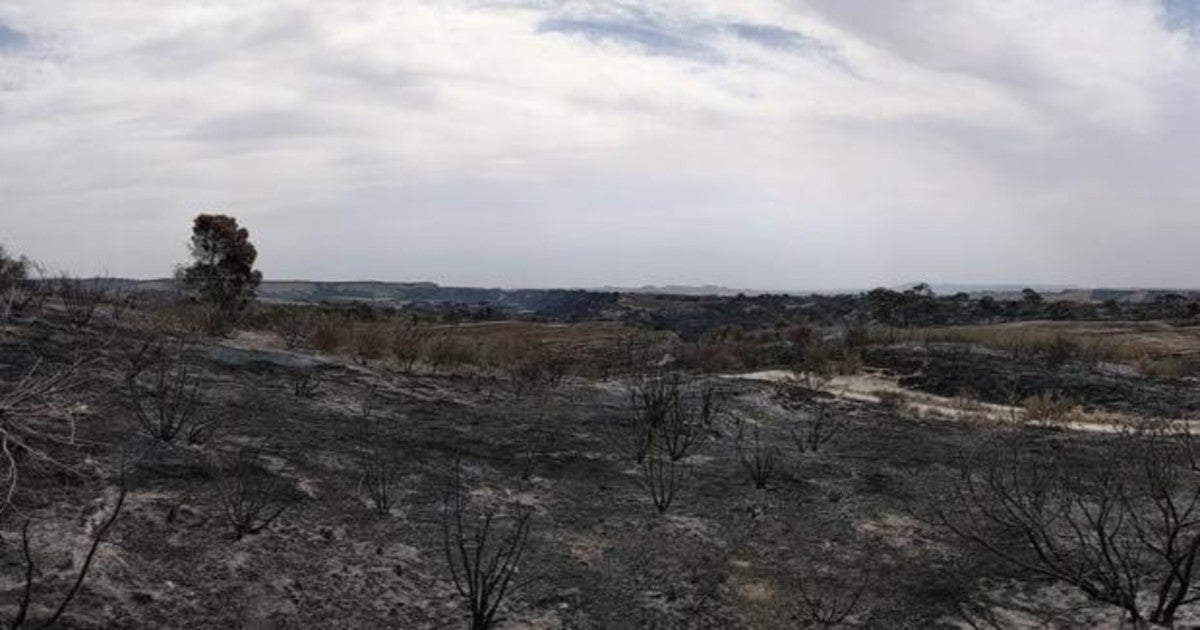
{"x":772,"y":144}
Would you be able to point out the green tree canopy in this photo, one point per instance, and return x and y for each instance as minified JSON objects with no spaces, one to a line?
{"x":222,"y":269}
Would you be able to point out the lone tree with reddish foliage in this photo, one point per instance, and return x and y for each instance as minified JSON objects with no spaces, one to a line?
{"x":222,"y":271}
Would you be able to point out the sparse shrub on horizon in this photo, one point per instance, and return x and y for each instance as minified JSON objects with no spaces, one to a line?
{"x":81,"y":297}
{"x":121,"y":299}
{"x":23,"y":286}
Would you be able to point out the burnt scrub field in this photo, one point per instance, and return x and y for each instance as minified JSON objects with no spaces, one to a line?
{"x":167,"y":480}
{"x":953,"y":369}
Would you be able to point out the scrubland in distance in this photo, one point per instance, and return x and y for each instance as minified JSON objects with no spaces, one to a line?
{"x":1158,"y":348}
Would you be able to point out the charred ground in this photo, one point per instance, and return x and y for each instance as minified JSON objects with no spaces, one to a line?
{"x":846,"y":535}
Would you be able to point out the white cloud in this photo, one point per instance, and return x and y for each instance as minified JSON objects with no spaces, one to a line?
{"x":759,"y":143}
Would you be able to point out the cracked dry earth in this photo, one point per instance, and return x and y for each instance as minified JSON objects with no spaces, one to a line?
{"x":726,"y":555}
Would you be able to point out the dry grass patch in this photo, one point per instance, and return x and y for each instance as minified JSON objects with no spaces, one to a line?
{"x":1123,"y":342}
{"x":1049,"y":410}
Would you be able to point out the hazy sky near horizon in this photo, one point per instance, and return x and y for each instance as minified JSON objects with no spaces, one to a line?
{"x":769,"y":144}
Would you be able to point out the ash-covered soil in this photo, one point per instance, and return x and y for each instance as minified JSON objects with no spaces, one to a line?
{"x":726,"y":555}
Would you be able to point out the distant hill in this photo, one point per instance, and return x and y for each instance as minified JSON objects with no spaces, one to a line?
{"x":988,"y":289}
{"x":560,"y":303}
{"x":1055,"y":292}
{"x":678,"y":289}
{"x":530,"y":300}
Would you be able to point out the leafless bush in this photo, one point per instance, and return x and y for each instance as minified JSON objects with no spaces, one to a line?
{"x":1125,"y":532}
{"x":483,"y":549}
{"x":668,"y":411}
{"x":818,"y":429}
{"x":30,"y":569}
{"x":663,"y":478}
{"x":689,"y":421}
{"x":380,"y":465}
{"x":250,"y":496}
{"x":756,"y":456}
{"x":824,"y":602}
{"x":381,"y":478}
{"x":537,"y":442}
{"x":815,"y":423}
{"x":306,"y":382}
{"x":164,"y":393}
{"x":650,"y":402}
{"x":81,"y":297}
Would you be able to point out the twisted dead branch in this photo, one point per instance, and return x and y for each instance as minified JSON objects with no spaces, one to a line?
{"x":22,"y":614}
{"x":34,"y":420}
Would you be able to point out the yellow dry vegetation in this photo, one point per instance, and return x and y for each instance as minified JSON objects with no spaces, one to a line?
{"x":1125,"y":342}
